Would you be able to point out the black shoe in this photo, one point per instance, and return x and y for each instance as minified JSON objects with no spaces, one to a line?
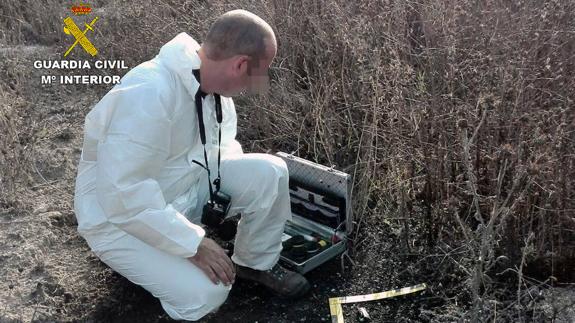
{"x":283,"y":282}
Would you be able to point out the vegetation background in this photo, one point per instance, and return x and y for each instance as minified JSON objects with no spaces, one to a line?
{"x":456,"y":119}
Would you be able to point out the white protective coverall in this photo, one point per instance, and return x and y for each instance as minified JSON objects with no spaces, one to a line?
{"x":138,"y":195}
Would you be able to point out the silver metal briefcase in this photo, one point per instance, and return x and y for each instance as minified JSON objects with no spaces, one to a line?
{"x":322,"y":216}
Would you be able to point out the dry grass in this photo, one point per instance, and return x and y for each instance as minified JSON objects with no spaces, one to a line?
{"x":455,"y":117}
{"x":14,"y":142}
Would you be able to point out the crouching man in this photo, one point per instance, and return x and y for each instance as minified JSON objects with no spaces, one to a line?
{"x":142,"y":181}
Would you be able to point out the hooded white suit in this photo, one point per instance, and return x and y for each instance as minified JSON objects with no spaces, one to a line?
{"x":138,"y":193}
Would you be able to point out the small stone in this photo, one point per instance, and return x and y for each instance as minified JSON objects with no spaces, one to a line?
{"x":363,"y":314}
{"x":52,"y":214}
{"x":42,"y":208}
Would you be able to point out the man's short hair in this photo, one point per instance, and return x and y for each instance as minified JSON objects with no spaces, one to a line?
{"x":237,"y":32}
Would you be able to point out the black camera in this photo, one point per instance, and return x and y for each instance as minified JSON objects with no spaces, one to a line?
{"x":214,"y":216}
{"x":215,"y":211}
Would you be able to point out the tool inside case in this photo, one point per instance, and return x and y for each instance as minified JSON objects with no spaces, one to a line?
{"x":321,"y":214}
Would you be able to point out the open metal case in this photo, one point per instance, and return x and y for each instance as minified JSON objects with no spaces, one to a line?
{"x":322,"y":216}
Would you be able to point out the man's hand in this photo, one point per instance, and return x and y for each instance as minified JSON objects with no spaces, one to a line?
{"x":214,"y":262}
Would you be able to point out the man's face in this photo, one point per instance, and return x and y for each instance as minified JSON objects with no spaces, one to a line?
{"x":253,"y":74}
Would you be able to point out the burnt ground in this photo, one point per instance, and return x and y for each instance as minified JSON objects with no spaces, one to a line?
{"x":49,"y":274}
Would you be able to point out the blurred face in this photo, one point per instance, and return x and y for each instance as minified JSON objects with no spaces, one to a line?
{"x":250,"y":75}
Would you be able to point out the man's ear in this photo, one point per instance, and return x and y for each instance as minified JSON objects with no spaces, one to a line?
{"x":240,"y":66}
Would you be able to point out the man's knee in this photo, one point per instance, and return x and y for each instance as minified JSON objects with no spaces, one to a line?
{"x":216,"y":296}
{"x":272,"y":180}
{"x":281,"y":166}
{"x":197,"y":303}
{"x":273,"y":167}
{"x":255,"y":182}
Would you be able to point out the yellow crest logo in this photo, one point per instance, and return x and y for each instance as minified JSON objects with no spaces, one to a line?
{"x":70,"y":28}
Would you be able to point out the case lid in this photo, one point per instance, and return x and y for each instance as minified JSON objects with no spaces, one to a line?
{"x":320,"y":178}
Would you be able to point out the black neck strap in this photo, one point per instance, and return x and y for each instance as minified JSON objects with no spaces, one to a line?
{"x":200,"y":95}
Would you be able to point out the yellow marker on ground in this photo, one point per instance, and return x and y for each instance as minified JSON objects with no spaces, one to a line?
{"x":336,"y":310}
{"x":72,"y":28}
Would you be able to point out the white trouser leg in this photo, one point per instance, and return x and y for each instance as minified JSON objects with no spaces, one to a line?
{"x":258,"y":186}
{"x":184,"y":291}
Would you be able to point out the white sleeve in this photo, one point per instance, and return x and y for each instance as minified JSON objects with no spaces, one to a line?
{"x":130,"y":156}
